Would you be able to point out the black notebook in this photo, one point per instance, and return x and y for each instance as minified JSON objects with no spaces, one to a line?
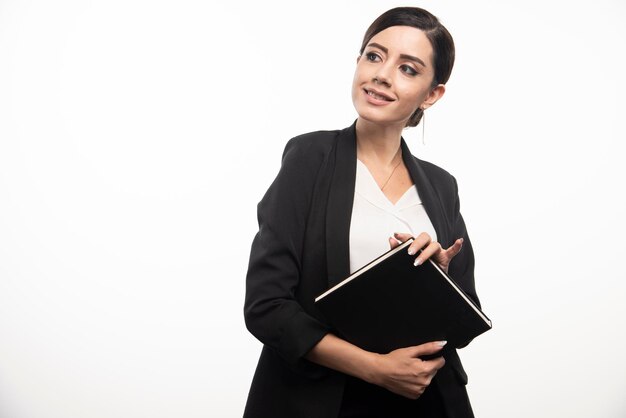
{"x":389,"y":303}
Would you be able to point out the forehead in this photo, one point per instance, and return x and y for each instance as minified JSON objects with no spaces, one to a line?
{"x":405,"y":40}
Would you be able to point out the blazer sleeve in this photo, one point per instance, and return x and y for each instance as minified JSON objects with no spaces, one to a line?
{"x":272,"y":312}
{"x":462,"y":266}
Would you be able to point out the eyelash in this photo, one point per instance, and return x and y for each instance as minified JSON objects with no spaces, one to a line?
{"x":406,"y":69}
{"x":371,"y":56}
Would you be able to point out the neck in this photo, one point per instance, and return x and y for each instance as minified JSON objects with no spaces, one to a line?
{"x":377,"y":143}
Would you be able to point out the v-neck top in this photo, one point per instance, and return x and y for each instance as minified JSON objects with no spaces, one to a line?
{"x":375,"y":218}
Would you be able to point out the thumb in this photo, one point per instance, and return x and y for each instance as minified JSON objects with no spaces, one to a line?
{"x":455,"y":248}
{"x":428,"y":348}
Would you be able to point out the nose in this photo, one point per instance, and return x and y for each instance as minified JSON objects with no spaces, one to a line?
{"x":382,"y":75}
{"x":379,"y":79}
{"x":383,"y":72}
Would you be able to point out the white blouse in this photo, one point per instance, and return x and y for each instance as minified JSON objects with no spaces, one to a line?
{"x":375,"y":218}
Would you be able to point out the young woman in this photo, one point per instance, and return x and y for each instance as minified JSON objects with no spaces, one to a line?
{"x":342,"y":198}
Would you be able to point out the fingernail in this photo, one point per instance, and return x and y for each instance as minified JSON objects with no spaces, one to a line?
{"x":441,"y":343}
{"x":417,"y":262}
{"x":411,"y":251}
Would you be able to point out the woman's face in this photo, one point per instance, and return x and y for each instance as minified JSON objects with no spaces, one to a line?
{"x":394,"y":76}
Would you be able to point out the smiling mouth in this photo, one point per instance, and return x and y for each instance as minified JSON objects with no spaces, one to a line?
{"x":378,"y":96}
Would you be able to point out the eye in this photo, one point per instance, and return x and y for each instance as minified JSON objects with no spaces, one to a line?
{"x":408,"y":70}
{"x":372,"y":56}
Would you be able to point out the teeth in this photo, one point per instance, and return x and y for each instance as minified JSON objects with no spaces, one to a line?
{"x":377,"y":96}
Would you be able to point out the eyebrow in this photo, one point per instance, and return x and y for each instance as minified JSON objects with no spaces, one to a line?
{"x":404,"y":56}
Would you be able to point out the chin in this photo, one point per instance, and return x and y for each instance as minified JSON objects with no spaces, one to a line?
{"x":378,"y":116}
{"x":374,"y":118}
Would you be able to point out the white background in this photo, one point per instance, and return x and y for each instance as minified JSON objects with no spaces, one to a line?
{"x":136,"y":138}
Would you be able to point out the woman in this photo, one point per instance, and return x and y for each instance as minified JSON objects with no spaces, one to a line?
{"x":338,"y":197}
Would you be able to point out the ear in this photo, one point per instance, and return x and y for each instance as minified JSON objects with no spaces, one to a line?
{"x":434,"y":95}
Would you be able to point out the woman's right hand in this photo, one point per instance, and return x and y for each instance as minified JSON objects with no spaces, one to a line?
{"x":404,"y":373}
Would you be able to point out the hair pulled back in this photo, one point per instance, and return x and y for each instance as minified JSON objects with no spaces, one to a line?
{"x":437,"y":34}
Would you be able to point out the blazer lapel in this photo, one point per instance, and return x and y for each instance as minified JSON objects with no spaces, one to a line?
{"x":341,"y":199}
{"x":339,"y":207}
{"x":427,"y":194}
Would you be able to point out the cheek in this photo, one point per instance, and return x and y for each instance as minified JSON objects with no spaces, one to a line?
{"x":360,"y":77}
{"x":359,"y":73}
{"x":356,"y":77}
{"x":356,"y":91}
{"x":355,"y":85}
{"x":412,"y":98}
{"x":413,"y":92}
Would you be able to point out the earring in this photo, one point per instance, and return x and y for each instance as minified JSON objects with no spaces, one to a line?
{"x":423,"y":120}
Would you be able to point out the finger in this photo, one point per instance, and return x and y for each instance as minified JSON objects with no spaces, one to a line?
{"x":421,"y":241}
{"x":412,"y":352}
{"x":436,"y":363}
{"x":402,"y":236}
{"x":455,"y":248}
{"x":393,"y":243}
{"x":433,"y":248}
{"x":411,"y":393}
{"x":443,"y":258}
{"x":415,"y":351}
{"x":427,"y":348}
{"x":414,"y":392}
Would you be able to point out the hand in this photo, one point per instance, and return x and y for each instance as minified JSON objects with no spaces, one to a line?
{"x":430,"y":249}
{"x":403,"y":373}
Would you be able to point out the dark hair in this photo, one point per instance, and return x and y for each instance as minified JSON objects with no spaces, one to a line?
{"x":437,"y":34}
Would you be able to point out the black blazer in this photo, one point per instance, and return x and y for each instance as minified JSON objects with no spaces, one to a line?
{"x":302,"y":249}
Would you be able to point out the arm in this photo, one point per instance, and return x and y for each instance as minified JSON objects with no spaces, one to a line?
{"x":461,"y":268}
{"x":271,"y":310}
{"x":400,"y":371}
{"x":458,"y":259}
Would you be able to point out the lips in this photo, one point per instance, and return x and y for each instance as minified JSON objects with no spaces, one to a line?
{"x":378,"y":95}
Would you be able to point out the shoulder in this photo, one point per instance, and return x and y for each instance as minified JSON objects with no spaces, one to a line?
{"x":306,"y":153}
{"x":313,"y":144}
{"x":440,"y":178}
{"x":304,"y":160}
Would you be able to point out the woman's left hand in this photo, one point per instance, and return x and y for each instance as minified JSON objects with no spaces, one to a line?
{"x":430,"y":249}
